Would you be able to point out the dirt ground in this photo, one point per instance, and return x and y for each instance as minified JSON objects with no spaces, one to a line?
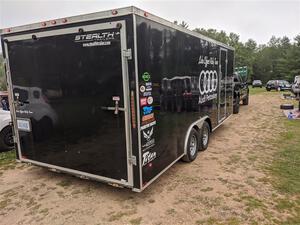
{"x":226,"y":184}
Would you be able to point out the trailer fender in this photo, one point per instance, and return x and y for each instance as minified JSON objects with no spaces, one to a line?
{"x":197,"y":125}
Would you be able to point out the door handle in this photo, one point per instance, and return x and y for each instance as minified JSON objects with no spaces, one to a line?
{"x":116,"y":109}
{"x":110,"y":108}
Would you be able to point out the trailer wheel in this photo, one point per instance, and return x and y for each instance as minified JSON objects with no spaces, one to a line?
{"x":236,"y":106}
{"x":192,"y":146}
{"x":204,"y":136}
{"x":246,"y":100}
{"x":6,"y":139}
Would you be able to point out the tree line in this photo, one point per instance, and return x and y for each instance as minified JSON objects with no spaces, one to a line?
{"x":278,"y":59}
{"x":2,"y":77}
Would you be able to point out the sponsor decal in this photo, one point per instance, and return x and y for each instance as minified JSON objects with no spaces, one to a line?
{"x":208,"y":83}
{"x":148,"y":134}
{"x":148,"y":157}
{"x":148,"y":125}
{"x":148,"y":144}
{"x":146,"y":76}
{"x":143,"y":101}
{"x":142,"y":88}
{"x":148,"y":117}
{"x":147,"y":110}
{"x":148,"y":121}
{"x":148,"y":88}
{"x":148,"y":84}
{"x":147,"y":94}
{"x":150,"y":100}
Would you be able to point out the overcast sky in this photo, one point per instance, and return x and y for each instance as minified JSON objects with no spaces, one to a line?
{"x":258,"y":20}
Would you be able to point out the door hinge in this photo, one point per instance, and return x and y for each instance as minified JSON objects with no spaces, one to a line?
{"x":132,"y":160}
{"x":127,"y":53}
{"x":15,"y":139}
{"x":5,"y":61}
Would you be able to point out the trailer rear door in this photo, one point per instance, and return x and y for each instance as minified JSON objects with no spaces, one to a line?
{"x":70,"y":91}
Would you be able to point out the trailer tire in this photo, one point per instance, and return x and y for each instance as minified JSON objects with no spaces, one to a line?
{"x":236,"y":106}
{"x":204,"y":136}
{"x":192,"y":146}
{"x":6,"y":139}
{"x":246,"y":100}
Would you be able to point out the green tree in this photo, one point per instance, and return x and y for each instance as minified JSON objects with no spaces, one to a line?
{"x":2,"y":74}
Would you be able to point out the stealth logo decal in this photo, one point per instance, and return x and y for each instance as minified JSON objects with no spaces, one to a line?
{"x":104,"y":36}
{"x":96,"y":39}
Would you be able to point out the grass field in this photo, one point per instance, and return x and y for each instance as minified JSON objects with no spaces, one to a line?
{"x":6,"y":158}
{"x":285,"y":170}
{"x":257,"y":90}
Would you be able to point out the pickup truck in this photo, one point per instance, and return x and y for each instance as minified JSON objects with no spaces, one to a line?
{"x":241,"y":92}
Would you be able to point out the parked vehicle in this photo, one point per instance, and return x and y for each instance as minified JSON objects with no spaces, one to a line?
{"x":4,"y":100}
{"x":131,"y":93}
{"x":279,"y":85}
{"x":241,"y":92}
{"x":257,"y":83}
{"x":6,"y":135}
{"x":296,"y":86}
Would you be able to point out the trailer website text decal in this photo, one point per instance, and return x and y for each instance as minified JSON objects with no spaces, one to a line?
{"x":96,"y":43}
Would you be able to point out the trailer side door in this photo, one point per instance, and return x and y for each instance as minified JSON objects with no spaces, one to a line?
{"x":222,"y":85}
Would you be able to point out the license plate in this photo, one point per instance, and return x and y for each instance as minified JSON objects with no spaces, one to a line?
{"x":24,"y":125}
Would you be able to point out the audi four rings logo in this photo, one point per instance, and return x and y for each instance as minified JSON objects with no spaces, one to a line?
{"x":208,"y":81}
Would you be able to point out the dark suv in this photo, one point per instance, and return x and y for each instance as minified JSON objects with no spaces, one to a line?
{"x":279,"y":85}
{"x":241,"y":92}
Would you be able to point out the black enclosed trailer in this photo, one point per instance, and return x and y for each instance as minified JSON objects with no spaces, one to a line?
{"x":116,"y":96}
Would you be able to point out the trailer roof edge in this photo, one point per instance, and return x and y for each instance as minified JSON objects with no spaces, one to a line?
{"x":160,"y":20}
{"x":107,"y":14}
{"x":71,"y":19}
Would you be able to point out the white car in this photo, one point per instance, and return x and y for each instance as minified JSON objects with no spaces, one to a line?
{"x":6,"y":136}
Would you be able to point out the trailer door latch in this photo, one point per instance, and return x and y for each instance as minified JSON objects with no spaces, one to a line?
{"x":127,"y":53}
{"x":132,"y":160}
